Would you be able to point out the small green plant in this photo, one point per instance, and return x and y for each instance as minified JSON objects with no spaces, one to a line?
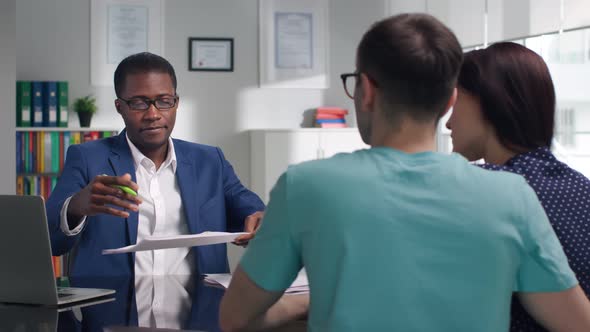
{"x":85,"y":104}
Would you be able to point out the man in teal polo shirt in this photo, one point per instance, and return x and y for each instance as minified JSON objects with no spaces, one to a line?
{"x":399,"y":237}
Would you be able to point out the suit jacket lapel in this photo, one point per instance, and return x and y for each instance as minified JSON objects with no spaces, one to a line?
{"x":121,"y":161}
{"x":186,"y":177}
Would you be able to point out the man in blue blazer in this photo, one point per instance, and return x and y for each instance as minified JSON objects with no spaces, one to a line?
{"x":182,"y":187}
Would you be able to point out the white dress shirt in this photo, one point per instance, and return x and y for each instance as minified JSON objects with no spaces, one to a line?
{"x":160,"y":214}
{"x":163,"y":301}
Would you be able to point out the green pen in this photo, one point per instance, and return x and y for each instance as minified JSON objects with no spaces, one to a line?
{"x":124,"y":188}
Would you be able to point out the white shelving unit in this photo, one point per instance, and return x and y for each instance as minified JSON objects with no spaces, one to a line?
{"x":84,"y":129}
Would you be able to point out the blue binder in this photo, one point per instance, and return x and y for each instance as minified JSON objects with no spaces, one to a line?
{"x":37,"y":103}
{"x":49,"y":96}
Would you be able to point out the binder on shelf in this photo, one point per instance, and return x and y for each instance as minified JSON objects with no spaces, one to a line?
{"x":40,"y":152}
{"x":56,"y":266}
{"x":47,"y":150}
{"x":20,"y":185}
{"x":64,"y":143}
{"x":26,"y":156}
{"x":49,"y":96}
{"x":37,"y":104}
{"x":62,"y":104}
{"x":23,"y":104}
{"x":19,"y":145}
{"x":55,"y":154}
{"x":33,"y":151}
{"x":76,"y":138}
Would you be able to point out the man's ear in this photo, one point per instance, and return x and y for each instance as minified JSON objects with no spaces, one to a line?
{"x":368,"y":93}
{"x":451,"y":102}
{"x":118,"y":105}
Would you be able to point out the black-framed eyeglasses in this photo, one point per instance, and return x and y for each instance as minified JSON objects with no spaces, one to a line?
{"x":349,"y":85}
{"x":162,"y":103}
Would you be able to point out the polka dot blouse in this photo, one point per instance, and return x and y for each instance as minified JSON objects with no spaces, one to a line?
{"x":565,"y":196}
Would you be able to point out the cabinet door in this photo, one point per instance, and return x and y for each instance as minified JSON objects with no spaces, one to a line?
{"x":333,"y":142}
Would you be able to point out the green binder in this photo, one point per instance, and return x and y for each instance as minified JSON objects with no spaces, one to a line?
{"x":23,"y":104}
{"x":62,"y":104}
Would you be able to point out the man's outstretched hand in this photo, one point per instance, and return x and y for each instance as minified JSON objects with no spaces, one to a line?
{"x":251,"y":225}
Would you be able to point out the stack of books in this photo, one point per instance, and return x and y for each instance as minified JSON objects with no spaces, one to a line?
{"x":330,"y":117}
{"x":40,"y":156}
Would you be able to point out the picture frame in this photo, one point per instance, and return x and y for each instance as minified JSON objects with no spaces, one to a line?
{"x":119,"y":28}
{"x":210,"y":54}
{"x":293,"y":44}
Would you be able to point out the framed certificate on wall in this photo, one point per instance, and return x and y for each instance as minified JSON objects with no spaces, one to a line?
{"x":294,"y":44}
{"x":211,"y":54}
{"x":119,"y":28}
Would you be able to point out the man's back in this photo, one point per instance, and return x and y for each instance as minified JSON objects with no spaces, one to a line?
{"x":418,"y":242}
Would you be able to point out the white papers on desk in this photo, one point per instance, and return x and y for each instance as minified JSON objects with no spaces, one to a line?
{"x":178,"y":241}
{"x":300,"y":285}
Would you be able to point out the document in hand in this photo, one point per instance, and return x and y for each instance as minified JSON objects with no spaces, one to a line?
{"x":222,"y":280}
{"x":178,"y":241}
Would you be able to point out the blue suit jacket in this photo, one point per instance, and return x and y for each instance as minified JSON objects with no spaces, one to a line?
{"x":213,"y":199}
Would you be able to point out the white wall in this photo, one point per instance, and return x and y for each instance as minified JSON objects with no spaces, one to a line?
{"x":7,"y":96}
{"x":53,"y":44}
{"x":218,"y":108}
{"x":463,"y":17}
{"x":215,"y":108}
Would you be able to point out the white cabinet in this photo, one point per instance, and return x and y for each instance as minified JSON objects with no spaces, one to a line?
{"x":273,"y":150}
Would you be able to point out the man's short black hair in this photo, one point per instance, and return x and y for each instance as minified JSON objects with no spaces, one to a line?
{"x":414,"y":60}
{"x":144,"y":62}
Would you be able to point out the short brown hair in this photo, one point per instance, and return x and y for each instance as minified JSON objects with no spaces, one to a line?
{"x":414,"y":59}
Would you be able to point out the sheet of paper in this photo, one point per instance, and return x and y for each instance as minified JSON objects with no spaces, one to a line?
{"x":179,"y":241}
{"x":299,"y":285}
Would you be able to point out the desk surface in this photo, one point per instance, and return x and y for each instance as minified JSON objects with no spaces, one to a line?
{"x":168,"y":303}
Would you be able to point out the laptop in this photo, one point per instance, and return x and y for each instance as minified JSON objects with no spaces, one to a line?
{"x":25,"y":256}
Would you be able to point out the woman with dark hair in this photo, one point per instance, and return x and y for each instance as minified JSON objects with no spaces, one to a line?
{"x":504,"y":114}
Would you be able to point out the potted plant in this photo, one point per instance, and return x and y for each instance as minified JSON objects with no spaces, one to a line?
{"x":85,"y":107}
